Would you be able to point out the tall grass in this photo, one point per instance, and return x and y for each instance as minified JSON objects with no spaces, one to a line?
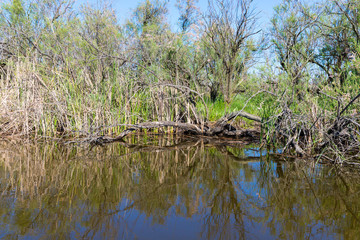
{"x":81,"y":71}
{"x":39,"y":105}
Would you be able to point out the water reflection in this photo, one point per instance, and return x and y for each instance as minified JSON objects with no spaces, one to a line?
{"x":192,"y":190}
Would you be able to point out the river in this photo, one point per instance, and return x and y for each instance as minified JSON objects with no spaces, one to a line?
{"x":156,"y":187}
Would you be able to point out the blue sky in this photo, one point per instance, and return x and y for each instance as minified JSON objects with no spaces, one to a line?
{"x":124,"y":9}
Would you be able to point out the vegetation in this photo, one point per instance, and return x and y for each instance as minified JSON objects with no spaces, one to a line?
{"x":79,"y":72}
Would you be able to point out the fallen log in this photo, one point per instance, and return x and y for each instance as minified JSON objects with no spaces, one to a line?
{"x":219,"y":128}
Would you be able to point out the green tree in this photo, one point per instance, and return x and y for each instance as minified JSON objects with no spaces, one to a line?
{"x":294,"y":42}
{"x":228,"y":26}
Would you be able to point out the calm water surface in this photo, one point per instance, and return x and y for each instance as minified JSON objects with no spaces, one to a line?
{"x":168,"y":188}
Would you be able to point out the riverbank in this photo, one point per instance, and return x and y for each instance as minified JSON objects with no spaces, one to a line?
{"x":80,"y":74}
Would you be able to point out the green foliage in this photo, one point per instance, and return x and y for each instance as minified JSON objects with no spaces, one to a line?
{"x":79,"y":71}
{"x":17,"y":11}
{"x":88,"y":71}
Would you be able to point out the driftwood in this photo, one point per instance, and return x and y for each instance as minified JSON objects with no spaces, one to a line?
{"x":325,"y":138}
{"x":220,"y":128}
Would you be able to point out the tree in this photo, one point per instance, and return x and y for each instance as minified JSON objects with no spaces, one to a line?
{"x":103,"y":39}
{"x":322,"y":35}
{"x":188,"y":13}
{"x":340,"y":36}
{"x":228,"y":26}
{"x":294,"y":41}
{"x":148,"y":28}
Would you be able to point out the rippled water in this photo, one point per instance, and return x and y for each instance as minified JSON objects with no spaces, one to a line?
{"x":169,"y":188}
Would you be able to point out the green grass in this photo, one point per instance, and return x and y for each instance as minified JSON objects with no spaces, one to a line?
{"x":254,"y":105}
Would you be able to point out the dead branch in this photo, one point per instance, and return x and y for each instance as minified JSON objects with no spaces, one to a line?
{"x":351,"y":102}
{"x":245,"y":115}
{"x":219,"y":128}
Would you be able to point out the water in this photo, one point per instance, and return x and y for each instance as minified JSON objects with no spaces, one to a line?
{"x":187,"y":190}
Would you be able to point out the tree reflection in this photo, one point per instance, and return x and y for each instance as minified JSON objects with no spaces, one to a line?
{"x":108,"y":192}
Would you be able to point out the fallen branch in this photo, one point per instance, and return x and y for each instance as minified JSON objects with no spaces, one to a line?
{"x":243,"y":114}
{"x":220,"y":128}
